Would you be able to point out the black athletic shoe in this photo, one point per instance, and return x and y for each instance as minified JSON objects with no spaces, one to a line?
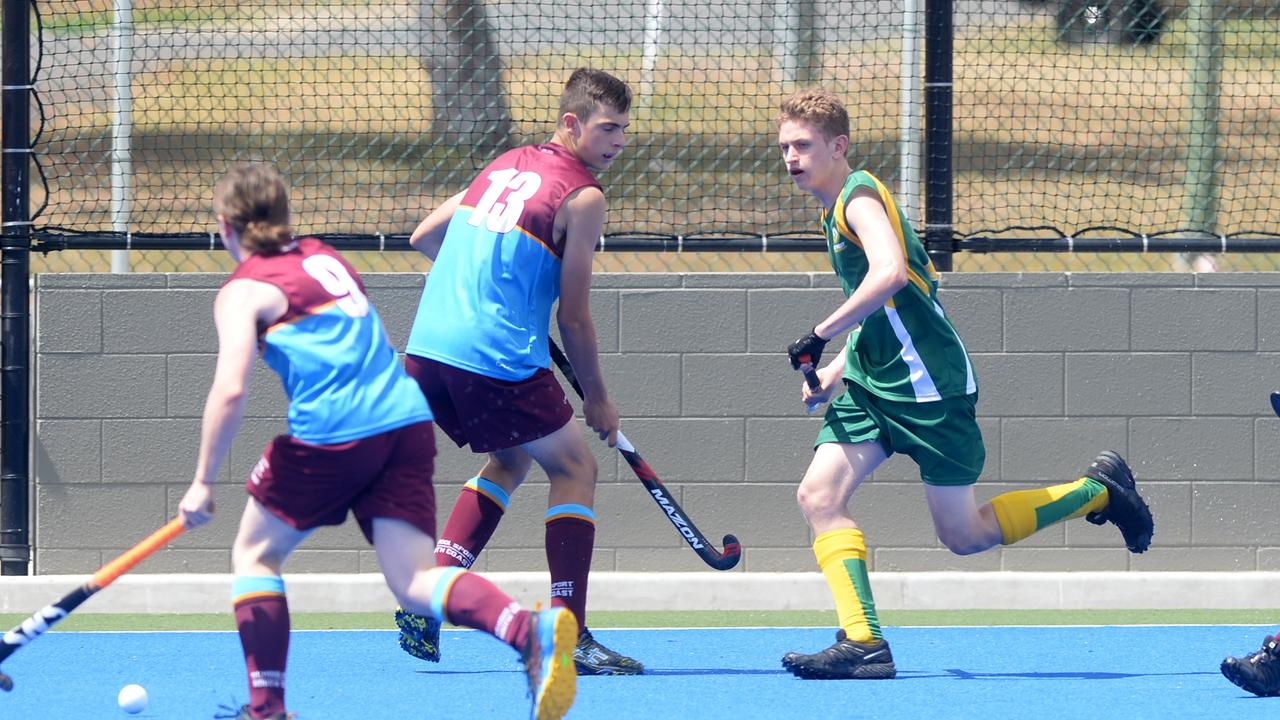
{"x":1258,"y":673}
{"x":419,"y":635}
{"x":592,"y":658}
{"x":846,"y":660}
{"x":1125,"y":507}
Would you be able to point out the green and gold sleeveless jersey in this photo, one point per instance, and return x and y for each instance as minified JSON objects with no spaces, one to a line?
{"x":908,"y":350}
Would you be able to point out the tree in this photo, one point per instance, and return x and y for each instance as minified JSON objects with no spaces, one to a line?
{"x":466,"y":81}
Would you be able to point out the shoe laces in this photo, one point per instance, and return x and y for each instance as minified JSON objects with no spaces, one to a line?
{"x":588,"y":646}
{"x":845,"y":649}
{"x":1268,"y":656}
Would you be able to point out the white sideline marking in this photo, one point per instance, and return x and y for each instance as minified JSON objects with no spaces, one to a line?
{"x":680,"y":591}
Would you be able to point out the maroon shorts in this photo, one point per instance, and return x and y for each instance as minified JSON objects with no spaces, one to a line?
{"x":487,"y":413}
{"x":386,"y":475}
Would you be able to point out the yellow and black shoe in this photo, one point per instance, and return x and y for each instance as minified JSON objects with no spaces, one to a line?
{"x":419,"y":635}
{"x":845,"y":660}
{"x":592,"y":658}
{"x":1125,"y":507}
{"x":1258,"y":673}
{"x":548,"y":661}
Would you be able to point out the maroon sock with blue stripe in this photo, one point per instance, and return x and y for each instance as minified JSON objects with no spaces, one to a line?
{"x":571,"y":537}
{"x":262,"y":617}
{"x":471,"y":523}
{"x":468,"y":600}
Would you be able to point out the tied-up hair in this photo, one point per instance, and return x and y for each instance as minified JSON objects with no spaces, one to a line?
{"x":588,"y":87}
{"x":255,"y":202}
{"x":818,"y":107}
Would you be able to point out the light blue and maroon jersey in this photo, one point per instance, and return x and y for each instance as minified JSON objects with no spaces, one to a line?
{"x":487,"y":302}
{"x":343,"y":379}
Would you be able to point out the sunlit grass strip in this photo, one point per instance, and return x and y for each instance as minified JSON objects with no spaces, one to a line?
{"x":225,"y":622}
{"x":86,"y":17}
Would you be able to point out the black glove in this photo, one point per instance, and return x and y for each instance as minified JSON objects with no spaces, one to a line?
{"x":807,"y":349}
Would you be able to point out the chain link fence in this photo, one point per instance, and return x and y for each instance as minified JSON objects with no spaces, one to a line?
{"x":1129,"y":117}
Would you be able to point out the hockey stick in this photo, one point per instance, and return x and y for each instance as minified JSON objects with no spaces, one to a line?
{"x":716,"y":559}
{"x":810,"y":379}
{"x":35,"y":626}
{"x":1275,"y":401}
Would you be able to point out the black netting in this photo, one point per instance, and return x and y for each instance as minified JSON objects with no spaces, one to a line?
{"x":1144,"y":116}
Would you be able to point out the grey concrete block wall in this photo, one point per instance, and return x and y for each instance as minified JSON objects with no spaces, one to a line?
{"x":1171,"y":370}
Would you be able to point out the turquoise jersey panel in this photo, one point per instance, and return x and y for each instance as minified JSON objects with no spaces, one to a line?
{"x":486,"y":305}
{"x":343,"y":379}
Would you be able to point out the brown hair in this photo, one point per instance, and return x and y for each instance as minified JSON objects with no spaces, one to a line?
{"x":586,"y":87}
{"x":819,"y":108}
{"x":255,"y":202}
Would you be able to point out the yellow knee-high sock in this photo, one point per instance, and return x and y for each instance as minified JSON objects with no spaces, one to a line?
{"x":842,"y":556}
{"x":1023,"y":512}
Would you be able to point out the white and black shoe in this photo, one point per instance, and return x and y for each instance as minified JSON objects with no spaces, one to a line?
{"x":846,"y":660}
{"x":592,"y":658}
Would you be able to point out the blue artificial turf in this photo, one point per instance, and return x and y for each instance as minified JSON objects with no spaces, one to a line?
{"x":706,"y":674}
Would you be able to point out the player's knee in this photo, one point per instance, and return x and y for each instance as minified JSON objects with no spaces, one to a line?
{"x":815,"y":501}
{"x":582,"y":468}
{"x":254,"y":560}
{"x":960,"y":541}
{"x":509,"y":473}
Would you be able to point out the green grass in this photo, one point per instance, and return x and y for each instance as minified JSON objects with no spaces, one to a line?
{"x":79,"y":23}
{"x":702,"y":618}
{"x":1044,"y":133}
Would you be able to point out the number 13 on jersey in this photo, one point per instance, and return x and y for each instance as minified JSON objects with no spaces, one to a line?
{"x":500,"y":214}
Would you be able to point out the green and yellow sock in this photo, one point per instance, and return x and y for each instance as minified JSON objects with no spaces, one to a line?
{"x":842,"y":556}
{"x":1022,"y":512}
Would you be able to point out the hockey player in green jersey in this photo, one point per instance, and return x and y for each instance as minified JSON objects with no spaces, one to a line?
{"x":903,"y":384}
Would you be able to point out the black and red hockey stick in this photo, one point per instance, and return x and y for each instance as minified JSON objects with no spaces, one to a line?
{"x":48,"y":616}
{"x":716,"y":559}
{"x":810,"y":378}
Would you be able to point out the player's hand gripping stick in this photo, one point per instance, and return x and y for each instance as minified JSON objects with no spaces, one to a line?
{"x":810,"y":379}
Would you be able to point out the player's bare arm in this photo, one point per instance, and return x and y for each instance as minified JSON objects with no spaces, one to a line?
{"x":238,"y":309}
{"x":429,"y":234}
{"x":887,"y":267}
{"x":886,"y":275}
{"x":583,"y":213}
